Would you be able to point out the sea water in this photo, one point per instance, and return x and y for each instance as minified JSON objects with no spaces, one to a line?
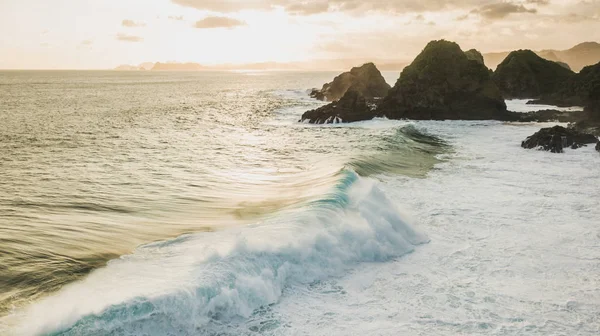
{"x":197,"y":204}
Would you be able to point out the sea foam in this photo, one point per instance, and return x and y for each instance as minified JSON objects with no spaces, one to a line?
{"x":193,"y":283}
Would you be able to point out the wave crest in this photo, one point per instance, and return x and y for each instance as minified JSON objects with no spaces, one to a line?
{"x":198,"y":283}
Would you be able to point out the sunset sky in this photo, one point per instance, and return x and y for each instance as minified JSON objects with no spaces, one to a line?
{"x":95,"y":34}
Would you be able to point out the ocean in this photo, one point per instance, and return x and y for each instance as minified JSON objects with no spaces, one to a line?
{"x":166,"y":203}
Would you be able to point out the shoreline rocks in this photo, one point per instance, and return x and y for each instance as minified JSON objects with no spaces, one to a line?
{"x":552,"y":115}
{"x":443,"y":83}
{"x":366,"y":79}
{"x":353,"y":106}
{"x":555,"y":139}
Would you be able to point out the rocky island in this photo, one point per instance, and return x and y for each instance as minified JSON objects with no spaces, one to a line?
{"x":523,"y":74}
{"x":366,"y":80}
{"x":444,"y":83}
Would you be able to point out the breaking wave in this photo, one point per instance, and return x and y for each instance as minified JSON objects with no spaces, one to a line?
{"x":206,"y":282}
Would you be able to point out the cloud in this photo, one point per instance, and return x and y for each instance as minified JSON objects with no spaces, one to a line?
{"x":225,"y":6}
{"x":218,"y":22}
{"x":129,"y":38}
{"x":311,"y":8}
{"x":501,"y":10}
{"x":576,"y":18}
{"x":487,"y":9}
{"x":538,"y":2}
{"x":176,"y":18}
{"x":132,"y":24}
{"x":321,"y":6}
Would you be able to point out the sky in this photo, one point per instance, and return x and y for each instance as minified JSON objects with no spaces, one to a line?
{"x":101,"y":34}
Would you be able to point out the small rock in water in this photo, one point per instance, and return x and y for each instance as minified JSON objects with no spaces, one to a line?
{"x":352,"y":107}
{"x":556,"y":138}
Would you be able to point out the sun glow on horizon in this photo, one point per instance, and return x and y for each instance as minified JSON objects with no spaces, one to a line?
{"x":89,"y":34}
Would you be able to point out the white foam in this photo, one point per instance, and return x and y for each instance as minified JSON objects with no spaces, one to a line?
{"x":185,"y":284}
{"x":514,"y":248}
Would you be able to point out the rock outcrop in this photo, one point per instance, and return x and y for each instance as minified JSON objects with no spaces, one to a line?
{"x":443,"y":83}
{"x":556,"y":138}
{"x":474,"y":55}
{"x":550,"y":116}
{"x":523,"y":74}
{"x":351,"y":107}
{"x":598,"y":146}
{"x":366,"y":79}
{"x":583,"y":89}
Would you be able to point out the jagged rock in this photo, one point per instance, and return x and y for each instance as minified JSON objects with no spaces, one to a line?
{"x":545,"y":116}
{"x":523,"y":74}
{"x":556,"y":138}
{"x":442,"y":83}
{"x":552,"y":115}
{"x":475,"y":55}
{"x":351,"y":107}
{"x":365,"y":79}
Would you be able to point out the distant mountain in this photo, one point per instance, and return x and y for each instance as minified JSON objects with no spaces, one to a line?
{"x":127,"y":67}
{"x":147,"y":65}
{"x":177,"y":67}
{"x":581,"y":55}
{"x":311,"y":65}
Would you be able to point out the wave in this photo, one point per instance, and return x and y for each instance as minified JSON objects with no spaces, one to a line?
{"x":409,"y":151}
{"x":202,"y":283}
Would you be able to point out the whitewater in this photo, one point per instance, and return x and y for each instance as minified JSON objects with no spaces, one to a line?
{"x":474,"y":235}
